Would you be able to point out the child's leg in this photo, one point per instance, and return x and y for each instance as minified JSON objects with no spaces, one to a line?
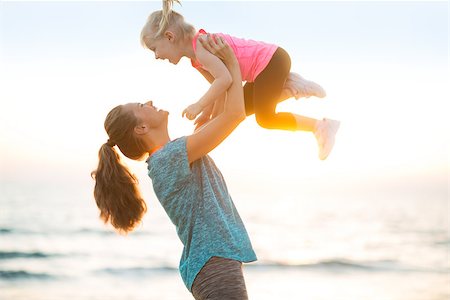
{"x":286,"y":93}
{"x":248,"y":98}
{"x":268,"y":90}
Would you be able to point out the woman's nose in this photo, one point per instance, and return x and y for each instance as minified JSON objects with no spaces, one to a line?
{"x":149,"y":103}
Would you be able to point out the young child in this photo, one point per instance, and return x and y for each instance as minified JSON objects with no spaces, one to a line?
{"x":264,"y":67}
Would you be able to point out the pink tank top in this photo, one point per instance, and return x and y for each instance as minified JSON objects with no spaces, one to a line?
{"x":253,"y":56}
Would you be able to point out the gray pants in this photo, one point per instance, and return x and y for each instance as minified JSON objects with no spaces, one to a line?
{"x":220,"y":279}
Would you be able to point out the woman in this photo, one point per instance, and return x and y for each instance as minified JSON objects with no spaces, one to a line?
{"x":187,"y":183}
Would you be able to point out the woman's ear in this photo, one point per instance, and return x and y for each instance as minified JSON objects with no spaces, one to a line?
{"x":141,"y":129}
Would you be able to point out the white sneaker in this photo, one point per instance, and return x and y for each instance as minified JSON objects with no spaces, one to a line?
{"x":300,"y":87}
{"x":325,"y":133}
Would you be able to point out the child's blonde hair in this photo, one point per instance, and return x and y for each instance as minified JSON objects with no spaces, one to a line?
{"x":161,"y":20}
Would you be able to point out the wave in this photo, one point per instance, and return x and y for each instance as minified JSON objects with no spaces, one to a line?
{"x":333,"y":265}
{"x":348,"y":265}
{"x":18,"y":254}
{"x":71,"y":232}
{"x":138,"y":271}
{"x":5,"y":230}
{"x":20,"y":274}
{"x":12,"y":231}
{"x":326,"y":264}
{"x":21,"y":231}
{"x":442,"y":243}
{"x":106,"y":232}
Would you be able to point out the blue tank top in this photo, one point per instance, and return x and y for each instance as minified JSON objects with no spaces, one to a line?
{"x":196,"y":199}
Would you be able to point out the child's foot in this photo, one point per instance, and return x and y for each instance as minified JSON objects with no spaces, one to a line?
{"x":300,"y":87}
{"x":325,"y":134}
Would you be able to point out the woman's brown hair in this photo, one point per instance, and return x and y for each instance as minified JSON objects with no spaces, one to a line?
{"x":116,"y":192}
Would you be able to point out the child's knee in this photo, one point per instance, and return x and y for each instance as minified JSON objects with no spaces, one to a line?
{"x":266,"y":120}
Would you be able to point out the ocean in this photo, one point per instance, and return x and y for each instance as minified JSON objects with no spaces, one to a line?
{"x":341,"y":246}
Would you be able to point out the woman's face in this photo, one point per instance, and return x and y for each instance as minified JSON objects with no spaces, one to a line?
{"x":147,"y":114}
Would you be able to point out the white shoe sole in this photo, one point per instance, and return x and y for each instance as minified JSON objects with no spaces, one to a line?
{"x":332,"y":127}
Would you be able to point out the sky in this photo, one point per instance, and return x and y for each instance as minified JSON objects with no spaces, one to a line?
{"x":384,"y":65}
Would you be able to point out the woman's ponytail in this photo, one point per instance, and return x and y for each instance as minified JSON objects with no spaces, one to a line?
{"x":116,"y":192}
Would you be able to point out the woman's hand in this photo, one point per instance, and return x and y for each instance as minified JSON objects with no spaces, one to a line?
{"x":219,"y":47}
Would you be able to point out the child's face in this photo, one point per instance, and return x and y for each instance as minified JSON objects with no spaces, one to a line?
{"x":165,"y":48}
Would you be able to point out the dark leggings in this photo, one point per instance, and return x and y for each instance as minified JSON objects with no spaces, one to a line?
{"x":220,"y":279}
{"x":262,"y":95}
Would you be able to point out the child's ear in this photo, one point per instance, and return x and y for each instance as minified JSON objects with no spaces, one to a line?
{"x":169,"y":35}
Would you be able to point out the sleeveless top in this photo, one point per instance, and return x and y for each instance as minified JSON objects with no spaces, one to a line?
{"x":253,"y":56}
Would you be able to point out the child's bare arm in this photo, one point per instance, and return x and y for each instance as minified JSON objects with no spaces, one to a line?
{"x":214,"y":132}
{"x":222,"y":81}
{"x":211,"y":110}
{"x":206,"y":74}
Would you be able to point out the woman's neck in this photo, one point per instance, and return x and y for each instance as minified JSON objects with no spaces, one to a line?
{"x":157,"y":145}
{"x":155,"y":138}
{"x":160,"y":140}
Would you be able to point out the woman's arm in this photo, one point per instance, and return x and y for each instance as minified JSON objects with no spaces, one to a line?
{"x":218,"y":106}
{"x":213,"y":133}
{"x":222,"y":81}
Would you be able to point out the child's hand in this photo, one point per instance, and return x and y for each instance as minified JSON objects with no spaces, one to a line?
{"x":202,"y":119}
{"x":192,"y":111}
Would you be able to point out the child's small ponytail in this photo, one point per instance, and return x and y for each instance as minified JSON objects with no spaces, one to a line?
{"x":162,"y":20}
{"x":166,"y":12}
